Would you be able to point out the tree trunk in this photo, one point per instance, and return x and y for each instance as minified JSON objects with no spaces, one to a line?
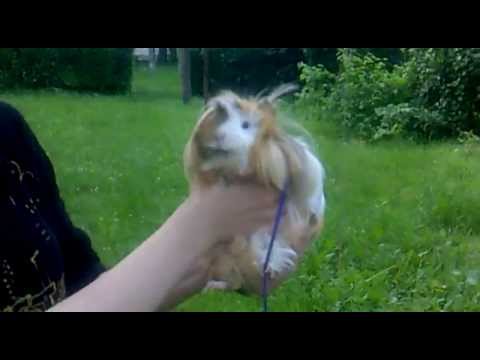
{"x":151,"y":56}
{"x":205,"y":52}
{"x":162,"y":56}
{"x":172,"y":55}
{"x":183,"y":56}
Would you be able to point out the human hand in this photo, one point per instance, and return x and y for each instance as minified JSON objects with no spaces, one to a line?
{"x":206,"y":221}
{"x":239,"y":209}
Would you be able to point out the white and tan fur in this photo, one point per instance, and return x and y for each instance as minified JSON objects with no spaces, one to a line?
{"x":238,"y":137}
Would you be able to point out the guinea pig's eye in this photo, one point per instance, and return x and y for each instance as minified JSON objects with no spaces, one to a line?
{"x":245,"y":125}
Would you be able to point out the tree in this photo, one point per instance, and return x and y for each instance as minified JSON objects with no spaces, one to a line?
{"x":162,"y":56}
{"x":183,"y":55}
{"x":205,"y":54}
{"x":172,"y":55}
{"x":151,"y":58}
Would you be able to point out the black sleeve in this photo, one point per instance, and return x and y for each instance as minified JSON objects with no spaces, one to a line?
{"x":81,"y":263}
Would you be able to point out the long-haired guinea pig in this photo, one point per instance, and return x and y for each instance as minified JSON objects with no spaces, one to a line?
{"x":241,"y":137}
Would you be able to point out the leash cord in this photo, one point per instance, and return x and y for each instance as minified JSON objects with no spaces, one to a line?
{"x":278,"y":217}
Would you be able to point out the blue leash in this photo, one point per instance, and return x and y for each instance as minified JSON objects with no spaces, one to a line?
{"x":278,"y":217}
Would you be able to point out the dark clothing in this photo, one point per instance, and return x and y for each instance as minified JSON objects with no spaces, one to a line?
{"x":43,"y":256}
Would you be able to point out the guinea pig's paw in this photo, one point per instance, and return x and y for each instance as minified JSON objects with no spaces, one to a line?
{"x":282,"y":261}
{"x":216,"y":285}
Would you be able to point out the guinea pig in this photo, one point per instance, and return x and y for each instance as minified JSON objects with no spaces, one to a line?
{"x":238,"y":137}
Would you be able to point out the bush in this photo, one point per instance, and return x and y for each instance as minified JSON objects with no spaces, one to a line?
{"x":245,"y":69}
{"x":432,"y":95}
{"x":318,"y":85}
{"x":392,"y":56}
{"x":359,"y":96}
{"x":103,"y":70}
{"x":447,"y":83}
{"x":328,"y":56}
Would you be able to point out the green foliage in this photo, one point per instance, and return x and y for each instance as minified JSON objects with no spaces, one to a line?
{"x":328,"y":56}
{"x":432,"y":95}
{"x":318,"y":84}
{"x":360,"y":95}
{"x":393,"y":56}
{"x":404,"y":119}
{"x":470,"y":142}
{"x":102,"y":70}
{"x":447,"y":82}
{"x":245,"y":69}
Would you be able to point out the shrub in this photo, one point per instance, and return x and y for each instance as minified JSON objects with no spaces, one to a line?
{"x":432,"y":95}
{"x":328,"y":56}
{"x":318,"y":84}
{"x":359,"y":95}
{"x":103,"y":70}
{"x":447,"y":83}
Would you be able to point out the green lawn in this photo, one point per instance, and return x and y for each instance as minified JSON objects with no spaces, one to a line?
{"x":402,"y":225}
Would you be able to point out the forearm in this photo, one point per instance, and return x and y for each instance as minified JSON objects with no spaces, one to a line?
{"x":147,"y":279}
{"x":173,"y":263}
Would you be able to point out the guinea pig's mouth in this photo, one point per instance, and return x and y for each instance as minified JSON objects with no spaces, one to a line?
{"x":211,"y":151}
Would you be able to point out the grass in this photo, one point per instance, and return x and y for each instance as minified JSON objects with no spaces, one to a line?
{"x":402,"y":230}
